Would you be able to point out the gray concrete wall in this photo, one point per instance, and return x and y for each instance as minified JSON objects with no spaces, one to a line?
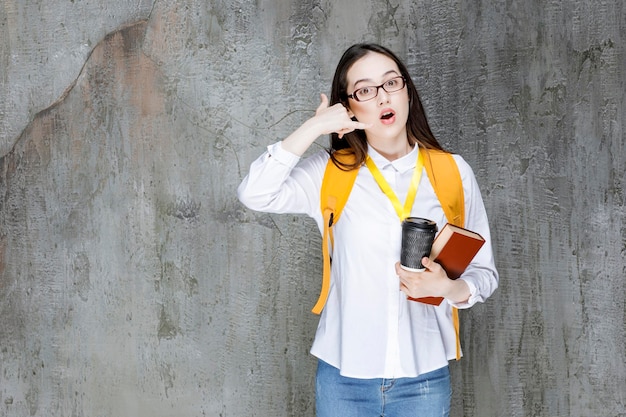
{"x":133,"y":283}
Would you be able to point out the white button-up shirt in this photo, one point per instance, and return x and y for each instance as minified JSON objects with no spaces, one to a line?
{"x":368,"y":328}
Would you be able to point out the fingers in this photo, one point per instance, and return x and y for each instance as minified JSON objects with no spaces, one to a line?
{"x":430,"y":265}
{"x":362,"y":126}
{"x":352,"y":126}
{"x":426,"y":262}
{"x":336,"y":118}
{"x":433,"y":266}
{"x":405,"y":290}
{"x":432,"y":282}
{"x":323,"y":104}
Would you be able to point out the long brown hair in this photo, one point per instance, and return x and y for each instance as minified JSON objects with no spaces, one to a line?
{"x":418,"y":130}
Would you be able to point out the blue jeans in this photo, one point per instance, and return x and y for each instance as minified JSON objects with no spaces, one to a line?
{"x":428,"y":395}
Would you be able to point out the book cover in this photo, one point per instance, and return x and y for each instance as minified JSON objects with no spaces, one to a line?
{"x":453,"y":248}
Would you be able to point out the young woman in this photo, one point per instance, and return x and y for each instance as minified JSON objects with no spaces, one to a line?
{"x":378,"y":352}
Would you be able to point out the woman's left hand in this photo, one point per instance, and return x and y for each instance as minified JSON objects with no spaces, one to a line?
{"x":433,"y":282}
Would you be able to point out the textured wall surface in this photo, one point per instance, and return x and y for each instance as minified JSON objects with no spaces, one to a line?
{"x":133,"y":283}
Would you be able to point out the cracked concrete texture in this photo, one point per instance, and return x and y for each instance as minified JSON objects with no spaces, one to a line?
{"x":43,"y":48}
{"x":133,"y":283}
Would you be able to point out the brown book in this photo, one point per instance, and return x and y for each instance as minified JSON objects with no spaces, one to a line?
{"x":453,"y":248}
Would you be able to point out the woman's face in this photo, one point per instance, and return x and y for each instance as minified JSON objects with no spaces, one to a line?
{"x":387,"y":112}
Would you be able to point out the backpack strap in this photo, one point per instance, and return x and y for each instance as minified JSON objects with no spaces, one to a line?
{"x":445,"y":178}
{"x":336,"y":187}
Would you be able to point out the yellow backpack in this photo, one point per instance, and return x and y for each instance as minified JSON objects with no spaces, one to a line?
{"x":445,"y":178}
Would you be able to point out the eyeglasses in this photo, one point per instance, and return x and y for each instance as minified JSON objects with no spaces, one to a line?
{"x":371,"y":91}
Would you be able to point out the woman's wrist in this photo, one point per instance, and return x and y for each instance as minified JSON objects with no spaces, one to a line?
{"x":458,"y":291}
{"x":302,"y":138}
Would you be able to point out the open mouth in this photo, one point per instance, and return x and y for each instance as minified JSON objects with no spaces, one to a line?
{"x":387,"y":115}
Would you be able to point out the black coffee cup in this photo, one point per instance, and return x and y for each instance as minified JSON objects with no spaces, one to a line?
{"x":418,"y":235}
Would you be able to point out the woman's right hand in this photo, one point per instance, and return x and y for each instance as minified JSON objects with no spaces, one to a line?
{"x":336,"y":118}
{"x":327,"y":120}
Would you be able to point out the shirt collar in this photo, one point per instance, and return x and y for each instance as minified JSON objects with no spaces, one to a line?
{"x":401,"y":165}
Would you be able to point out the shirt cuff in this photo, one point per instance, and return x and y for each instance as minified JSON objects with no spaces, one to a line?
{"x":282,"y":156}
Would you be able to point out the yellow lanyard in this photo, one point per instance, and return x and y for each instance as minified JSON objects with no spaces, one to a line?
{"x":403,"y":212}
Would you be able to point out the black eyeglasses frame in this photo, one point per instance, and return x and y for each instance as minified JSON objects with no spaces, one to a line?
{"x":353,"y":96}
